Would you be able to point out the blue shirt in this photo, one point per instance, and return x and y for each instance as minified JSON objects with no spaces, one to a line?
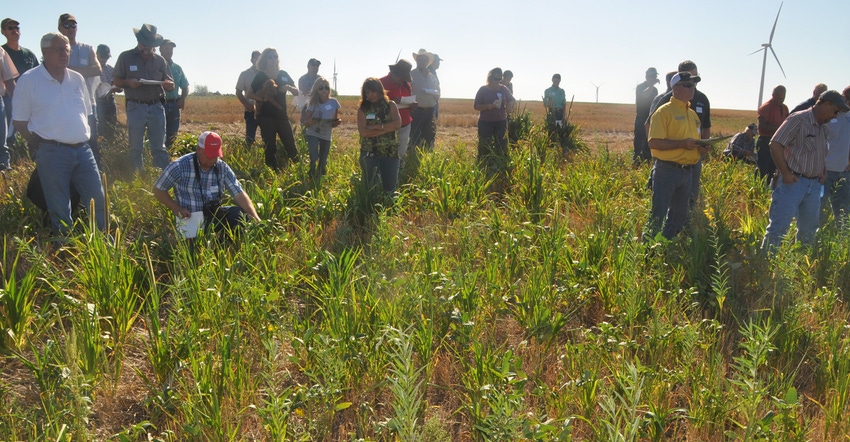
{"x":180,"y":175}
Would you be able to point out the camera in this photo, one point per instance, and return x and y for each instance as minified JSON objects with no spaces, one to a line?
{"x":211,"y":208}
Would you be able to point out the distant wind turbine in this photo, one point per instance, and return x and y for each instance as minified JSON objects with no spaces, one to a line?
{"x":597,"y":90}
{"x":336,"y":91}
{"x":765,"y":47}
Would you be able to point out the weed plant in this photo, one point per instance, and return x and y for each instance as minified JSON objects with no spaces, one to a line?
{"x":444,"y":312}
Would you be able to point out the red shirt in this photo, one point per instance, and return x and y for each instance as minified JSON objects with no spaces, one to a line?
{"x":395,"y":92}
{"x":774,"y":114}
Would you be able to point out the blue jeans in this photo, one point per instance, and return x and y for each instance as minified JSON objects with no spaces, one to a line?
{"x":93,"y":144}
{"x":695,"y":176}
{"x":671,"y":193}
{"x":58,"y":168}
{"x":172,"y":123}
{"x":385,"y":167}
{"x":251,"y":125}
{"x":800,"y":199}
{"x":836,"y":189}
{"x":107,"y":116}
{"x":319,"y":150}
{"x":151,"y":117}
{"x":4,"y":150}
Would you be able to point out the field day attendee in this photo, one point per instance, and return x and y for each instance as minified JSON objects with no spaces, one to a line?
{"x":433,"y":67}
{"x":243,"y":85}
{"x":8,"y":73}
{"x":22,"y":58}
{"x":271,"y":108}
{"x":555,"y":102}
{"x":199,"y":180}
{"x":424,"y":85}
{"x":145,"y":100}
{"x":494,"y":102}
{"x":175,"y":99}
{"x":644,"y":94}
{"x":700,"y":104}
{"x":107,"y":111}
{"x":51,"y":110}
{"x":743,"y":146}
{"x":673,"y":135}
{"x":305,"y":85}
{"x":84,"y":61}
{"x":397,"y":85}
{"x":799,"y":149}
{"x":507,"y":76}
{"x":771,"y":114}
{"x":378,"y":120}
{"x":322,"y":115}
{"x":809,"y":102}
{"x":836,"y":190}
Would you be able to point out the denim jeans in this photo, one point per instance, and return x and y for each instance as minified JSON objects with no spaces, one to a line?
{"x":251,"y":125}
{"x":61,"y":166}
{"x":696,"y":174}
{"x":93,"y":144}
{"x":836,"y":190}
{"x":151,"y":117}
{"x":319,"y":150}
{"x":172,"y":123}
{"x":800,"y":199}
{"x":107,"y":116}
{"x":10,"y":134}
{"x":641,"y":146}
{"x":385,"y":167}
{"x":423,"y":128}
{"x":766,"y":166}
{"x":493,"y":154}
{"x":671,"y":193}
{"x":4,"y":150}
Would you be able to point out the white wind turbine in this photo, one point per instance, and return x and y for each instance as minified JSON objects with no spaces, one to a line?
{"x":336,"y":91}
{"x":765,"y":47}
{"x":597,"y":90}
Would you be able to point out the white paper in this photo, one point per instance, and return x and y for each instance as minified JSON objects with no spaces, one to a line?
{"x":143,"y":81}
{"x":408,"y":100}
{"x":189,"y":227}
{"x":299,"y":101}
{"x":102,"y":89}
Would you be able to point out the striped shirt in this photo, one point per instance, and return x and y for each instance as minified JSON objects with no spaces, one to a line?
{"x":804,"y":142}
{"x":180,"y":175}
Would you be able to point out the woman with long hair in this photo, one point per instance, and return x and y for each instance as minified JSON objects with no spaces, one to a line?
{"x":268,"y":90}
{"x":321,"y":116}
{"x":377,"y":121}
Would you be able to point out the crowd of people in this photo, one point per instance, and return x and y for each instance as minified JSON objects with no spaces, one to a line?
{"x":63,"y":105}
{"x":803,"y":155}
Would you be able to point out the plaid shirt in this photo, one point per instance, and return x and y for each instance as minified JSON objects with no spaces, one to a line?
{"x":180,"y":175}
{"x":805,"y":143}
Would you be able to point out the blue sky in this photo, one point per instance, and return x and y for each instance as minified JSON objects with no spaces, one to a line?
{"x":609,"y":43}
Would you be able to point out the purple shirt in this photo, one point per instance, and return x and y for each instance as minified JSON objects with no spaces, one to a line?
{"x":486,"y":95}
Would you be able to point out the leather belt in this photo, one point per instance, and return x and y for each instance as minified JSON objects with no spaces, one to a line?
{"x":677,"y":165}
{"x":59,"y":143}
{"x":133,"y":100}
{"x":171,"y":100}
{"x":804,"y":176}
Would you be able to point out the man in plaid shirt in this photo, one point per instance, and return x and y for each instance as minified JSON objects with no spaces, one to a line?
{"x":198,"y":180}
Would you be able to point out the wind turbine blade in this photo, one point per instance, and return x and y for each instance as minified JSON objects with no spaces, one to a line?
{"x":774,"y":24}
{"x":756,"y":51}
{"x":777,"y":61}
{"x":398,"y":56}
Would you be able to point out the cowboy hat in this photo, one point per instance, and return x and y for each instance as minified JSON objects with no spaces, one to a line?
{"x":425,"y":53}
{"x":147,"y":35}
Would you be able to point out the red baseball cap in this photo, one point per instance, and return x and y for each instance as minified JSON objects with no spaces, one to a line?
{"x":210,"y":144}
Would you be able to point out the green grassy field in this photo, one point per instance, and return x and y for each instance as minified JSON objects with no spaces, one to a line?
{"x":453,"y":314}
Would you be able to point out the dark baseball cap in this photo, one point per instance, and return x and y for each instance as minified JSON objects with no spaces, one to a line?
{"x":835,"y":98}
{"x":65,"y":18}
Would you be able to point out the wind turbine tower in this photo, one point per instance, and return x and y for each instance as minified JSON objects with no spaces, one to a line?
{"x":765,"y":47}
{"x":336,"y":91}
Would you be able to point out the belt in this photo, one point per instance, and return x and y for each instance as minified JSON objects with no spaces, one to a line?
{"x":171,"y":100}
{"x":59,"y":143}
{"x":680,"y":166}
{"x":133,"y":100}
{"x":804,"y":176}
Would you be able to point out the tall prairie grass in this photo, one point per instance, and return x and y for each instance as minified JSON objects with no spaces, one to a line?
{"x":448,"y":313}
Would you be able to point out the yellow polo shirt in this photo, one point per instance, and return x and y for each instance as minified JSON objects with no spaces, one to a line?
{"x":675,"y":121}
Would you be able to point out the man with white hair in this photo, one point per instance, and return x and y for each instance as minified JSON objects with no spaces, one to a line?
{"x":51,"y":110}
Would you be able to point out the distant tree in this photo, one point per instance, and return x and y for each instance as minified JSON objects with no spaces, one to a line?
{"x":201,"y":90}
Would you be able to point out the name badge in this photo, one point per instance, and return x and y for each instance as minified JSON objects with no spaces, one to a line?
{"x":328,"y":107}
{"x":133,"y":68}
{"x":84,"y":61}
{"x":370,"y":116}
{"x":698,"y":109}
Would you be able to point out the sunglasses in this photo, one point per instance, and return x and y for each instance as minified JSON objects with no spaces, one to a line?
{"x":323,"y":88}
{"x":685,"y":85}
{"x":69,"y":25}
{"x":13,"y":28}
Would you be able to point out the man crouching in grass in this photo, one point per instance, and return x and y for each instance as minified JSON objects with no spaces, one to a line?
{"x":198,"y":180}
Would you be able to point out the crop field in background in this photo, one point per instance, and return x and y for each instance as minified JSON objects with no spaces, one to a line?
{"x":452,"y":313}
